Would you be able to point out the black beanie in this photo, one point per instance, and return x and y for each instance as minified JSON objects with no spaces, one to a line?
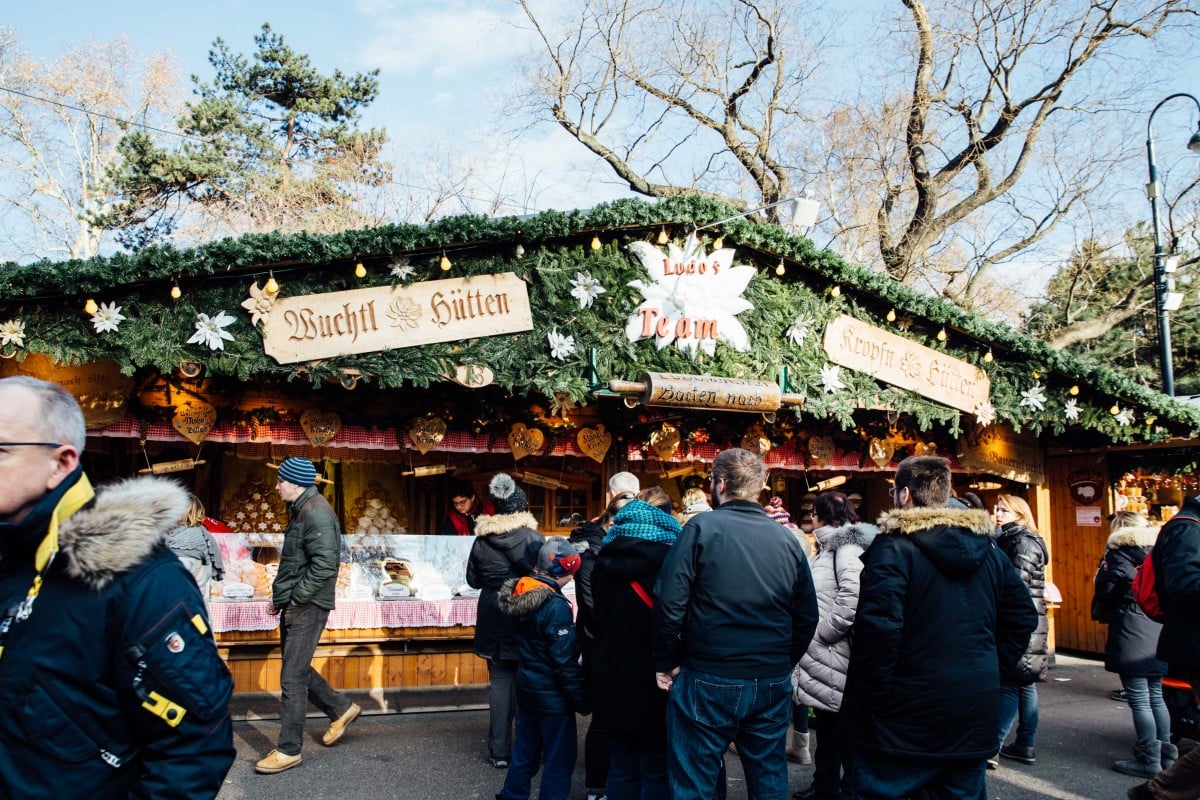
{"x":507,"y":497}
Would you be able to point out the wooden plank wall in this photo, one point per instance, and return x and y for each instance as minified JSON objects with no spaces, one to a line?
{"x":1074,"y":555}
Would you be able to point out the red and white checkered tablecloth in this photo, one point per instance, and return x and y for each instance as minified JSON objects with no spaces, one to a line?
{"x":256,"y":615}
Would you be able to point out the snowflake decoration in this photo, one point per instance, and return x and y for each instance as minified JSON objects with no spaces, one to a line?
{"x":12,"y":332}
{"x":585,"y":289}
{"x":404,"y":311}
{"x":561,"y":347}
{"x":1125,"y":416}
{"x":1071,"y":409}
{"x":258,"y":304}
{"x":108,"y":317}
{"x":211,"y":330}
{"x":800,"y":330}
{"x":831,"y":378}
{"x":402,"y":270}
{"x":1034,"y":398}
{"x":985,"y":413}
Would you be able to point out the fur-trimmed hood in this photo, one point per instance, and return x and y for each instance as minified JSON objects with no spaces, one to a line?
{"x":906,"y":521}
{"x":833,"y":538}
{"x":121,"y":528}
{"x":1133,"y":537}
{"x":535,"y":592}
{"x":493,"y":524}
{"x":956,"y":540}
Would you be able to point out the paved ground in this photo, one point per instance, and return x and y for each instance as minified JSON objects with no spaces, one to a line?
{"x":439,"y":755}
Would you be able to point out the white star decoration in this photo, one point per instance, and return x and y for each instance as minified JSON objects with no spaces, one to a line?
{"x":107,"y":318}
{"x":1034,"y":398}
{"x":12,"y":332}
{"x":585,"y":289}
{"x":561,"y":347}
{"x":831,"y":378}
{"x":1125,"y":416}
{"x":402,"y":270}
{"x":985,"y":413}
{"x":211,"y":330}
{"x":1071,"y":409}
{"x":799,"y":331}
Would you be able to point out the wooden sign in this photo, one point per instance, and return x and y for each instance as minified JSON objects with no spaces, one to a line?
{"x":881,"y":451}
{"x":594,"y":442}
{"x":167,"y":467}
{"x":705,"y":391}
{"x":102,"y":391}
{"x":665,"y":441}
{"x":525,"y":441}
{"x":820,"y":449}
{"x":473,"y":376}
{"x":427,"y":433}
{"x":320,"y":426}
{"x":999,"y":450}
{"x":194,"y":419}
{"x":316,"y":326}
{"x":902,"y":362}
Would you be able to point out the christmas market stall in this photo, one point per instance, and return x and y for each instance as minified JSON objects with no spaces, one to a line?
{"x":409,"y":361}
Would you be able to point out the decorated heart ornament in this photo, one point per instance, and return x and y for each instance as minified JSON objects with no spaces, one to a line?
{"x":925,"y":449}
{"x":594,"y":442}
{"x":524,"y":441}
{"x":320,"y":426}
{"x":820,"y":449}
{"x":756,"y":441}
{"x":427,"y":433}
{"x":194,"y":419}
{"x":880,"y":451}
{"x":665,"y":441}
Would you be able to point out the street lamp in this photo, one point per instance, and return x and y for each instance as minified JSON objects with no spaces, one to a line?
{"x":1165,"y":298}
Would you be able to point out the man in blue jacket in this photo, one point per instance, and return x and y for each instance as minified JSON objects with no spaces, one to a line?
{"x":942,"y":614}
{"x":110,"y":681}
{"x":735,"y":610}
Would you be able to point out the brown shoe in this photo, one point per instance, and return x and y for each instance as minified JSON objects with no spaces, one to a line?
{"x":339,"y":725}
{"x":276,"y":761}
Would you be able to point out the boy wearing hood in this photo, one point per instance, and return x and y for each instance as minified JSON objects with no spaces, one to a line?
{"x":549,"y":678}
{"x":942,"y":614}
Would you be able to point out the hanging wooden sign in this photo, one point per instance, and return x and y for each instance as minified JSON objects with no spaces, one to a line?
{"x":665,"y":441}
{"x":525,"y":441}
{"x":705,"y":391}
{"x":320,"y":426}
{"x":881,"y":451}
{"x":999,"y":450}
{"x":594,"y":442}
{"x":426,"y":433}
{"x":756,"y":441}
{"x":102,"y":391}
{"x":167,"y":467}
{"x":820,"y":449}
{"x":194,"y":419}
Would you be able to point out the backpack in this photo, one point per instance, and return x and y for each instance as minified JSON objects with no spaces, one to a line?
{"x":1145,"y":585}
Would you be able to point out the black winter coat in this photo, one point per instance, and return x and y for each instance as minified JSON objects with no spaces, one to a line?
{"x":587,"y":536}
{"x":549,"y":678}
{"x":505,"y":547}
{"x":1176,"y":557}
{"x":624,"y":692}
{"x":1027,"y":551}
{"x":942,"y":614}
{"x":1132,"y":636}
{"x":308,"y":562}
{"x":119,"y":623}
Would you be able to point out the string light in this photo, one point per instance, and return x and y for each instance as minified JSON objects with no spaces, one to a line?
{"x":779,"y":270}
{"x":1074,"y":390}
{"x":90,"y":306}
{"x":663,"y":238}
{"x":1035,"y":374}
{"x":596,"y":245}
{"x":519,"y":251}
{"x":988,"y":357}
{"x":444,"y":263}
{"x":718,"y":243}
{"x":835,"y":291}
{"x":272,"y":286}
{"x":891,"y":315}
{"x":942,"y":335}
{"x":360,"y":271}
{"x":1116,"y":409}
{"x":176,"y":292}
{"x":1150,"y":419}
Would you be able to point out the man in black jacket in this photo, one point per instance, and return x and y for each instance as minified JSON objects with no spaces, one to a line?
{"x":735,"y":610}
{"x":942,"y":614}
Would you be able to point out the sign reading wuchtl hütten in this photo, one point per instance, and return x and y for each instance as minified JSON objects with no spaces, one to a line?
{"x":315,"y":326}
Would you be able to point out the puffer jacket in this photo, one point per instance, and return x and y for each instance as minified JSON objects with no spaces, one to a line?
{"x":1132,"y":636}
{"x":117,"y":629}
{"x":820,"y":677}
{"x":942,"y":613}
{"x":308,"y":563}
{"x":1176,"y":557}
{"x":505,"y":547}
{"x":549,"y":678}
{"x":1027,"y":551}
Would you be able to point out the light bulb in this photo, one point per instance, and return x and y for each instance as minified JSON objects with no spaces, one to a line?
{"x":445,"y":263}
{"x":942,"y":335}
{"x":836,"y":291}
{"x":1074,"y":390}
{"x":272,"y":286}
{"x":596,"y":245}
{"x":779,"y":270}
{"x":718,"y":243}
{"x":662,"y":236}
{"x":359,"y":270}
{"x":891,"y":315}
{"x":1035,"y":374}
{"x":519,"y":251}
{"x":988,"y":357}
{"x":176,"y":292}
{"x":1116,"y":409}
{"x":90,"y":306}
{"x":1150,"y":419}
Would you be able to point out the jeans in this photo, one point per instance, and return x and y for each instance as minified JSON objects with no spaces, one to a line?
{"x":706,"y":712}
{"x":1151,"y":721}
{"x":548,"y":741}
{"x":832,"y":761}
{"x":502,"y":706}
{"x":1018,"y":703}
{"x":637,"y":769}
{"x":300,"y":628}
{"x":1182,"y":780}
{"x":881,"y":778}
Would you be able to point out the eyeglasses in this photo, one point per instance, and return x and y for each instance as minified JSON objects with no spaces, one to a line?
{"x":30,"y":444}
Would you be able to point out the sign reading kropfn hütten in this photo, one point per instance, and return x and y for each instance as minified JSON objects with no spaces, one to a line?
{"x":904,"y":363}
{"x":317,"y":326}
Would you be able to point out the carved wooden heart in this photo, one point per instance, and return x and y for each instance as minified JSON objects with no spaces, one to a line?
{"x":194,"y":420}
{"x":820,"y":449}
{"x":320,"y":426}
{"x":594,"y":442}
{"x":427,"y":433}
{"x":756,"y":441}
{"x":881,"y":451}
{"x":925,"y":449}
{"x":665,"y":441}
{"x":525,"y":441}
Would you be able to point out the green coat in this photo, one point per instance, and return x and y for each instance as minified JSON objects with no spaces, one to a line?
{"x":308,"y":565}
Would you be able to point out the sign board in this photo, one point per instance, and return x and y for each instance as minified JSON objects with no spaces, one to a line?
{"x":902,"y":362}
{"x":102,"y":391}
{"x":999,"y":450}
{"x":706,"y":391}
{"x":316,"y":326}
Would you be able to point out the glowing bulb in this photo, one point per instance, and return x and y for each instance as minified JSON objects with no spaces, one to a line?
{"x":176,"y":293}
{"x":1073,"y":391}
{"x":519,"y":251}
{"x":359,"y":270}
{"x":988,"y":357}
{"x":445,"y":263}
{"x":596,"y":243}
{"x":718,"y":243}
{"x":942,"y":335}
{"x":891,"y":315}
{"x":90,"y":306}
{"x":1116,"y":409}
{"x":1151,"y":419}
{"x":779,"y":270}
{"x":272,"y":286}
{"x":1035,"y":374}
{"x":836,"y":291}
{"x":662,"y":236}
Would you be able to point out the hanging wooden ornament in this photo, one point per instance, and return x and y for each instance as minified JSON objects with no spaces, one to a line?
{"x":524,"y":441}
{"x":756,"y":441}
{"x":427,"y":433}
{"x":320,"y":426}
{"x":594,"y":442}
{"x":194,"y":419}
{"x":820,"y":449}
{"x":665,"y":441}
{"x":925,"y":449}
{"x":881,"y":451}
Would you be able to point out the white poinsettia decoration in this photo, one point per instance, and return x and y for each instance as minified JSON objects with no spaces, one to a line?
{"x":561,"y":347}
{"x":211,"y":330}
{"x":985,"y":413}
{"x":12,"y":332}
{"x":402,"y":270}
{"x":1125,"y":416}
{"x":831,"y":378}
{"x":585,"y":289}
{"x":1071,"y":409}
{"x":258,"y":304}
{"x":107,"y":318}
{"x":799,"y":330}
{"x":692,"y":298}
{"x":1034,"y":398}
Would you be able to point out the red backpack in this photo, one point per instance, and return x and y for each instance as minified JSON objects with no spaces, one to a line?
{"x":1145,"y":586}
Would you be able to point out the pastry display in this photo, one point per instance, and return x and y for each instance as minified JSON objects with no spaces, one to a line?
{"x":255,"y":508}
{"x":374,"y":513}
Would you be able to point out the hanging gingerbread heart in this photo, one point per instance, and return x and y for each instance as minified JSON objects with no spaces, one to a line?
{"x":194,"y":419}
{"x":665,"y":441}
{"x":880,"y":451}
{"x":594,"y":442}
{"x":925,"y":449}
{"x":756,"y":441}
{"x":320,"y":426}
{"x":820,"y":449}
{"x":427,"y":433}
{"x":524,"y":441}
